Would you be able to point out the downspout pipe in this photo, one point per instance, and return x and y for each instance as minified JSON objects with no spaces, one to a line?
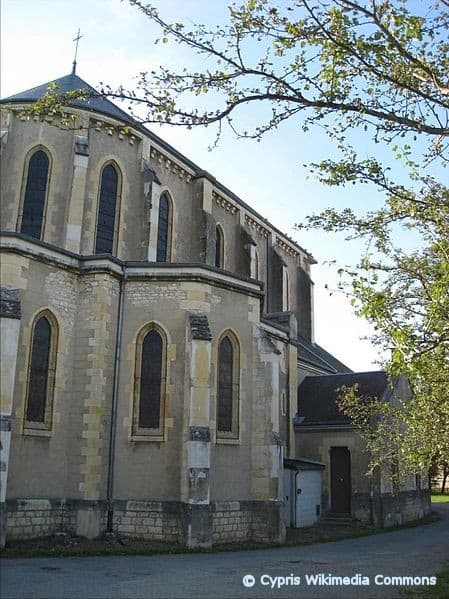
{"x":267,"y":276}
{"x":295,"y":495}
{"x":113,"y":428}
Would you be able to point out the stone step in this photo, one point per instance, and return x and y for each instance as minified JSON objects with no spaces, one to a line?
{"x":339,"y":519}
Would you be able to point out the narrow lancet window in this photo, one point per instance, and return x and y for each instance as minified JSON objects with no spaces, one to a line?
{"x":227,"y":388}
{"x":163,"y":230}
{"x":41,"y":374}
{"x":35,"y":195}
{"x":151,"y":381}
{"x":104,"y":241}
{"x":150,"y":384}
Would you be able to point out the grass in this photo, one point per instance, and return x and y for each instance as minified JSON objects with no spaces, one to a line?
{"x":439,"y":591}
{"x":440,"y":498}
{"x":79,"y":547}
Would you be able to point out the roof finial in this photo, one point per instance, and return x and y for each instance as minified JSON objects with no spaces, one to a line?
{"x":77,"y":39}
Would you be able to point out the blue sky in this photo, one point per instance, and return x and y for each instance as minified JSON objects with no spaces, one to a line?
{"x":118,"y":43}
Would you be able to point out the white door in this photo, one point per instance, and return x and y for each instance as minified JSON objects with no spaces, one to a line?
{"x":308,"y":497}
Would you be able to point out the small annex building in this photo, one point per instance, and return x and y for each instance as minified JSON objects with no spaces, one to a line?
{"x":324,"y":433}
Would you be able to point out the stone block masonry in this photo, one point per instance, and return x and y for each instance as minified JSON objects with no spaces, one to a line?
{"x":30,"y":518}
{"x":232,"y":522}
{"x":149,"y":520}
{"x":240,"y":521}
{"x":386,"y":510}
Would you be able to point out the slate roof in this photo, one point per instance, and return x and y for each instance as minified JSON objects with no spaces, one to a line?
{"x":302,"y":464}
{"x":315,"y":355}
{"x":95,"y":101}
{"x":317,"y":395}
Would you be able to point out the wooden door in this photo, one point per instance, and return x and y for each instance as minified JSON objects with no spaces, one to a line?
{"x":340,"y":480}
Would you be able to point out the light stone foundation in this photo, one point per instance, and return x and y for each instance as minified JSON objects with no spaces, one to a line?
{"x":31,"y":518}
{"x":150,"y":520}
{"x":229,"y":522}
{"x":240,"y":521}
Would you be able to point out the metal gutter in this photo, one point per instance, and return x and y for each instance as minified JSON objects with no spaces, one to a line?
{"x":113,"y":429}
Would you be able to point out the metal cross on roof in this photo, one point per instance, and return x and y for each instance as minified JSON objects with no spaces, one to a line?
{"x":76,"y":39}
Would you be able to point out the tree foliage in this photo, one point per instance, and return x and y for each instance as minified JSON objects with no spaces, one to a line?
{"x":369,"y":63}
{"x":372,"y":74}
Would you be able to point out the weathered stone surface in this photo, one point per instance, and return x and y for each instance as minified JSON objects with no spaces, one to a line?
{"x":199,"y":326}
{"x":199,"y":433}
{"x":10,"y":303}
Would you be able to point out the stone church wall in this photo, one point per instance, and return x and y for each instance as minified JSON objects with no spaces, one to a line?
{"x":73,"y":454}
{"x":58,"y":476}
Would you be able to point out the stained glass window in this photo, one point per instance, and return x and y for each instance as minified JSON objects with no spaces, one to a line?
{"x":163,"y":229}
{"x":151,"y":380}
{"x":104,"y":241}
{"x":35,"y":195}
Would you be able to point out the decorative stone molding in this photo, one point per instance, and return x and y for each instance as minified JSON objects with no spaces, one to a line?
{"x":257,"y":226}
{"x":9,"y":303}
{"x":5,"y":422}
{"x":199,"y":433}
{"x":171,"y":165}
{"x":122,"y":133}
{"x":224,"y":203}
{"x":82,"y":145}
{"x":199,"y":327}
{"x":287,"y":247}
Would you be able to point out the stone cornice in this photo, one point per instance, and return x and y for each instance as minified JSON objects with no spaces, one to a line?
{"x":122,"y":132}
{"x":107,"y":125}
{"x":170,"y":164}
{"x":287,"y":247}
{"x":256,"y":225}
{"x":220,"y":200}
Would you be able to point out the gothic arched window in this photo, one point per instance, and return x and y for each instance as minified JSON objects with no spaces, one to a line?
{"x":219,"y":247}
{"x":228,"y":387}
{"x":106,"y":225}
{"x":41,"y":373}
{"x":164,"y":229}
{"x":35,"y":194}
{"x":150,"y":382}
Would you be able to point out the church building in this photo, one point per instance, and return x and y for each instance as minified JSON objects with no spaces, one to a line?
{"x":154,"y":331}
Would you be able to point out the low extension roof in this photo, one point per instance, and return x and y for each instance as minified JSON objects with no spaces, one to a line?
{"x":315,"y":355}
{"x":302,"y":464}
{"x":317,"y":395}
